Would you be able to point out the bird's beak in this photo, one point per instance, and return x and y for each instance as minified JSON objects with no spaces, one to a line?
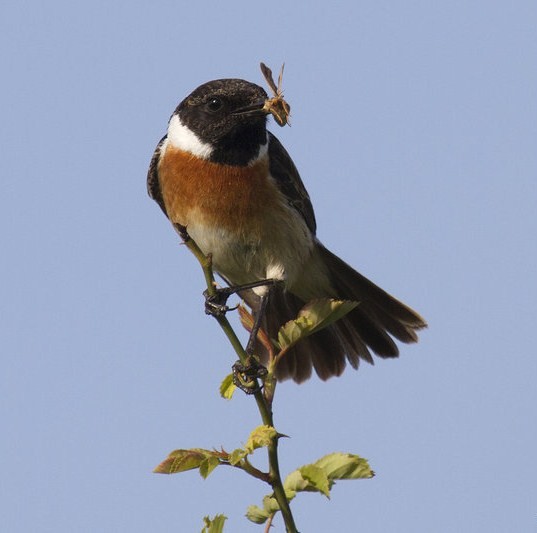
{"x":276,"y":106}
{"x":258,"y":108}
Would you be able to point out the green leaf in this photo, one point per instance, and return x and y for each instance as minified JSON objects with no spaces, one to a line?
{"x":321,"y":475}
{"x":271,"y":505}
{"x":344,"y":466}
{"x":314,"y":316}
{"x":316,"y":478}
{"x":294,"y":483}
{"x":256,"y":514}
{"x":227,"y":387}
{"x":181,"y":461}
{"x":216,"y":525}
{"x":260,"y":437}
{"x":293,"y":331}
{"x":307,"y":478}
{"x":237,"y":455}
{"x":208,"y":465}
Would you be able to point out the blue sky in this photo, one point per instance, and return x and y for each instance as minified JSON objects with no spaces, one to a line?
{"x":414,"y":128}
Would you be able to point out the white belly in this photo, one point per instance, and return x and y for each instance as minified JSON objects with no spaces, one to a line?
{"x":282,"y":250}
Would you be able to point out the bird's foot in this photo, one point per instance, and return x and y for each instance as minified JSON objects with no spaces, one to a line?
{"x":216,"y":304}
{"x":245,"y":376}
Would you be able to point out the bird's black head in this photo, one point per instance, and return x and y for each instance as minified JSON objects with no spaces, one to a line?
{"x":229,"y":116}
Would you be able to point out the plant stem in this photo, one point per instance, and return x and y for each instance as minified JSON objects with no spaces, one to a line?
{"x":277,"y":485}
{"x":268,"y":524}
{"x":263,"y":404}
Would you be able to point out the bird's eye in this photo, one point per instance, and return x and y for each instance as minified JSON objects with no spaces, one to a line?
{"x":214,"y":104}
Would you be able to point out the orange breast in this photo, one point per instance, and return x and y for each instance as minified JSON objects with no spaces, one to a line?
{"x":230,"y":197}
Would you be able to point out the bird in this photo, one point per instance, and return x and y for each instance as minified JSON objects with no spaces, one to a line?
{"x":221,"y":174}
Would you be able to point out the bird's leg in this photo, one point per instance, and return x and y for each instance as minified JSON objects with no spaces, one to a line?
{"x":245,"y":376}
{"x":215,"y":305}
{"x":259,"y":315}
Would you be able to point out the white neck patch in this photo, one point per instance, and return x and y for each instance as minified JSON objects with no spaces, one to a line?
{"x":263,"y":151}
{"x":180,"y":136}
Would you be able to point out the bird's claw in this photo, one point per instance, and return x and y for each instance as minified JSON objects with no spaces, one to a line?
{"x":245,"y":376}
{"x":216,"y":304}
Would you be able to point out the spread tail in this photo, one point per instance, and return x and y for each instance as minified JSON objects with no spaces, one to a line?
{"x":369,"y":327}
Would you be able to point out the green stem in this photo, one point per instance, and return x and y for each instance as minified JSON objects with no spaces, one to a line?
{"x":253,"y":471}
{"x":277,"y":485}
{"x":263,"y":404}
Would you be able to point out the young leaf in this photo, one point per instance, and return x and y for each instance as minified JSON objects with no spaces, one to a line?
{"x":294,"y":330}
{"x":307,"y":478}
{"x":314,"y":316}
{"x":227,"y":387}
{"x":316,"y":478}
{"x":216,"y":525}
{"x":321,"y":475}
{"x":261,"y":436}
{"x":344,"y":466}
{"x":294,"y":483}
{"x":270,"y":504}
{"x":208,"y":465}
{"x":237,"y":455}
{"x":256,"y":514}
{"x":181,"y":461}
{"x":246,"y":318}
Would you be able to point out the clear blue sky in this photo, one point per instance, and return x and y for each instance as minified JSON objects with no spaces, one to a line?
{"x":415,"y":130}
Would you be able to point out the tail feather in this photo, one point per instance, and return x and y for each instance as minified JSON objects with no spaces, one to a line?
{"x":356,"y":348}
{"x":397,"y":329}
{"x":357,"y":287}
{"x":367,"y":328}
{"x":324,"y":351}
{"x":327,"y":353}
{"x":372,"y":332}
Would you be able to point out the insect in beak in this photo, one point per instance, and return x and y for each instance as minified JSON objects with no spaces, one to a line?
{"x":276,"y":105}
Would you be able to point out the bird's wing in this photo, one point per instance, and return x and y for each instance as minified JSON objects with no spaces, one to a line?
{"x":153,"y":184}
{"x":286,"y":175}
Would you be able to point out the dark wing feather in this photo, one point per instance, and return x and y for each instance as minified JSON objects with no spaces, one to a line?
{"x":285,"y":173}
{"x":153,"y":184}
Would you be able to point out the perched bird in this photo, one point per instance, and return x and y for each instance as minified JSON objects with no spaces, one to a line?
{"x":219,"y":173}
